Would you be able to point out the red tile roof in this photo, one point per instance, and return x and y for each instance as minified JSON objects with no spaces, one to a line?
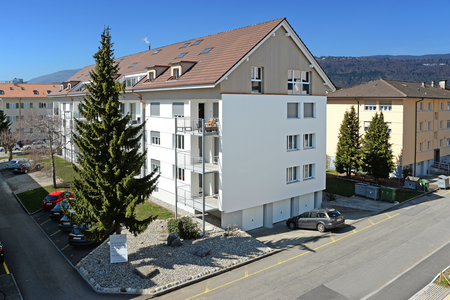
{"x":25,"y":90}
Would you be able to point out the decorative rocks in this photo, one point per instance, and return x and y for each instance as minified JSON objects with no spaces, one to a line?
{"x":201,"y":251}
{"x":176,"y":243}
{"x":145,"y":271}
{"x":171,"y":238}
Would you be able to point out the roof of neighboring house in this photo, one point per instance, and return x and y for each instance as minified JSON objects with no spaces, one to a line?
{"x":385,"y":88}
{"x":25,"y":90}
{"x":208,"y":68}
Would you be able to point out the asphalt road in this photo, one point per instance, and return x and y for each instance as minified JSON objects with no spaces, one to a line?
{"x":384,"y":257}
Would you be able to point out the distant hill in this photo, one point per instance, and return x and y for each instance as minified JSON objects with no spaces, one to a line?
{"x":56,"y":77}
{"x":350,"y":71}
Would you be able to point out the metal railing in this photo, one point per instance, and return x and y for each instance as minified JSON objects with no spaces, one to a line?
{"x":194,"y":125}
{"x":194,"y":163}
{"x":442,"y":166}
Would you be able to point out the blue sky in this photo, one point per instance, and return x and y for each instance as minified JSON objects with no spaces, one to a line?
{"x":46,"y":36}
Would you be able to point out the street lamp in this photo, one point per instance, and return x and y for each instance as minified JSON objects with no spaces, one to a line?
{"x":415,"y":136}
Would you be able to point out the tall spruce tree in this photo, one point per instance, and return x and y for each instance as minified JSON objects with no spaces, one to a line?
{"x":348,"y":150}
{"x":376,"y":149}
{"x":4,"y":123}
{"x":107,"y":193}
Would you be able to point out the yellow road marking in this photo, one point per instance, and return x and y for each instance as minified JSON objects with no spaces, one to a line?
{"x":246,"y":271}
{"x":55,"y":233}
{"x":45,"y":222}
{"x":207,"y":286}
{"x":6,"y":268}
{"x":65,"y":247}
{"x":289,"y":259}
{"x":279,"y":258}
{"x":332,"y":238}
{"x":370,"y":221}
{"x":387,"y":215}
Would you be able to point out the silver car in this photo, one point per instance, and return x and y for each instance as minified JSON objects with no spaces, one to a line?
{"x":321,"y":219}
{"x":11,"y":163}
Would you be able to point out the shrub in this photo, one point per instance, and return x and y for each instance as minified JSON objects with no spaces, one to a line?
{"x":330,"y":197}
{"x":184,"y":227}
{"x":407,"y":171}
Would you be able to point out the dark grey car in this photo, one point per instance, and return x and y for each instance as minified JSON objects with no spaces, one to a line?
{"x":321,"y":219}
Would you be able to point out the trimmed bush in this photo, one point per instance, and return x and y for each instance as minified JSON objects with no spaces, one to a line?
{"x":184,"y":227}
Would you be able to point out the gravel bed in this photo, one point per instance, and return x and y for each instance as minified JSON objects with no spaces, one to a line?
{"x":175,"y":265}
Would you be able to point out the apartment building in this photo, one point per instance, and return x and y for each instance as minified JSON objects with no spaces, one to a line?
{"x":417,"y":114}
{"x":19,"y":100}
{"x":235,"y":121}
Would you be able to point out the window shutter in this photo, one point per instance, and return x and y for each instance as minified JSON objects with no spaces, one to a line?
{"x":8,"y":118}
{"x":154,"y":109}
{"x":31,"y":105}
{"x":155,"y":134}
{"x":215,"y":110}
{"x":40,"y":105}
{"x":21,"y":105}
{"x":178,"y":109}
{"x":7,"y":106}
{"x":309,"y":110}
{"x":292,"y":110}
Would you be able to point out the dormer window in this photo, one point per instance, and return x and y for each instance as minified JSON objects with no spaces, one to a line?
{"x":151,"y":75}
{"x":185,"y":45}
{"x":61,"y":87}
{"x":181,"y":55}
{"x":130,"y":81}
{"x":157,"y":51}
{"x":176,"y":73}
{"x":35,"y":92}
{"x":197,"y":42}
{"x":69,"y":86}
{"x":48,"y":91}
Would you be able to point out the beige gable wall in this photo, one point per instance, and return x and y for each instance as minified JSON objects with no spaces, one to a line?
{"x":18,"y":112}
{"x":276,"y":56}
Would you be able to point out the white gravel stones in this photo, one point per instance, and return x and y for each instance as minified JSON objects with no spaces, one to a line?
{"x":175,"y":265}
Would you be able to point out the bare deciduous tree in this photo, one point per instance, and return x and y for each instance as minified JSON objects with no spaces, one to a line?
{"x":8,"y":140}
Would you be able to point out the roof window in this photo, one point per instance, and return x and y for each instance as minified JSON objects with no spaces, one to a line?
{"x":119,"y":60}
{"x":35,"y":92}
{"x":132,"y":65}
{"x":181,"y":55}
{"x":157,"y":51}
{"x":80,"y":75}
{"x":2,"y":92}
{"x":11,"y":88}
{"x":22,"y":88}
{"x":197,"y":42}
{"x":206,"y":50}
{"x":48,"y":91}
{"x":185,"y":45}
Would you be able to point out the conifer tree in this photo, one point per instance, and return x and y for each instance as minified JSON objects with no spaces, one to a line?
{"x":376,"y":150}
{"x":4,"y":123}
{"x":348,"y":150}
{"x":107,"y":193}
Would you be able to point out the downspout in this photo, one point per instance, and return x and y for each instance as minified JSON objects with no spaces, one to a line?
{"x":20,"y":118}
{"x":415,"y":136}
{"x":71,"y":130}
{"x":143,"y":134}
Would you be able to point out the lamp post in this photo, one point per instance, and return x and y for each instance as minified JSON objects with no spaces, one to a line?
{"x":415,"y":135}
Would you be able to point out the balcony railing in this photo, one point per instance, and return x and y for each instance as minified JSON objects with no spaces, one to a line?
{"x":196,"y":201}
{"x":194,"y":163}
{"x":190,"y":125}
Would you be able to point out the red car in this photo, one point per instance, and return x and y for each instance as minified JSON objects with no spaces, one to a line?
{"x":54,"y":197}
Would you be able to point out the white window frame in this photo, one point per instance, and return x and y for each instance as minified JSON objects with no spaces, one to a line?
{"x":428,"y":145}
{"x":309,"y":141}
{"x":313,"y":110}
{"x":292,"y":143}
{"x":448,"y":142}
{"x":308,"y":171}
{"x":180,"y":174}
{"x":292,"y":174}
{"x":366,"y":125}
{"x":155,"y":164}
{"x":420,"y":147}
{"x":299,"y":83}
{"x":155,"y":137}
{"x":370,"y":105}
{"x":257,"y":76}
{"x":440,"y":124}
{"x":180,"y":141}
{"x":298,"y":110}
{"x":429,"y":126}
{"x":421,"y":106}
{"x":420,"y":126}
{"x":429,"y":106}
{"x":385,"y":106}
{"x":440,"y":143}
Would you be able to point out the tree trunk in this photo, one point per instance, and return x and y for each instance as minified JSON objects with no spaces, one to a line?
{"x":52,"y":159}
{"x":118,"y":230}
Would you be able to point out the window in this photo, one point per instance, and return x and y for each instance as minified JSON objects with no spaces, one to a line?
{"x":130,"y":81}
{"x":12,"y":118}
{"x":366,"y":125}
{"x":11,"y":88}
{"x":389,"y":126}
{"x":181,"y":55}
{"x":292,"y":142}
{"x":176,"y":73}
{"x":298,"y":82}
{"x":180,"y":174}
{"x":151,"y":76}
{"x":42,"y":105}
{"x":440,"y":124}
{"x":428,"y":146}
{"x":448,"y":142}
{"x":48,"y":91}
{"x":385,"y":105}
{"x":291,"y":174}
{"x":2,"y":92}
{"x":309,"y":110}
{"x":435,"y":116}
{"x":309,"y":141}
{"x":26,"y":105}
{"x":215,"y":110}
{"x":157,"y":51}
{"x":257,"y":80}
{"x":420,"y":127}
{"x":206,"y":50}
{"x":370,"y":105}
{"x":420,"y":105}
{"x":429,"y":105}
{"x":155,"y":137}
{"x":132,"y":65}
{"x":435,"y":135}
{"x":429,"y":126}
{"x":448,"y":123}
{"x":119,"y":60}
{"x":420,"y":146}
{"x":154,"y":109}
{"x":440,"y":143}
{"x":122,"y":108}
{"x":197,"y":42}
{"x":35,"y":92}
{"x":155,"y":166}
{"x":448,"y":105}
{"x":442,"y":105}
{"x":185,"y":45}
{"x":180,"y":141}
{"x":292,"y":111}
{"x":308,"y":171}
{"x":178,"y":109}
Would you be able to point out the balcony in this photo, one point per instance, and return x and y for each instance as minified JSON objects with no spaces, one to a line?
{"x":196,"y":201}
{"x":194,"y":163}
{"x":193,"y":126}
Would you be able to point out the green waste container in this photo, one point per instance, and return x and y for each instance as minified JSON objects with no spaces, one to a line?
{"x":388,"y":193}
{"x":424,"y":185}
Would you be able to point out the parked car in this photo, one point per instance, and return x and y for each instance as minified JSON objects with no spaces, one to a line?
{"x":26,"y":166}
{"x":2,"y":149}
{"x":77,"y":238}
{"x":57,"y":212}
{"x":2,"y":258}
{"x":51,"y":199}
{"x":321,"y":219}
{"x":14,"y":161}
{"x":35,"y":145}
{"x":65,"y":224}
{"x":16,"y":147}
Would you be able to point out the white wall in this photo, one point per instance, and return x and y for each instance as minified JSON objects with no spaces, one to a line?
{"x":254,"y":157}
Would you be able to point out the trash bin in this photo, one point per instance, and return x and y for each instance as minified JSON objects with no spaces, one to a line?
{"x":388,"y":193}
{"x":443,"y":182}
{"x":412,"y":183}
{"x":373,"y":192}
{"x":424,"y":185}
{"x":360,"y":189}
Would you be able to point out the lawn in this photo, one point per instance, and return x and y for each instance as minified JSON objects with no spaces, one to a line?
{"x":32,"y":199}
{"x":148,"y":209}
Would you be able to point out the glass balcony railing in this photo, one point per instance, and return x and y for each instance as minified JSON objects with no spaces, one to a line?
{"x":196,"y":200}
{"x":194,"y":163}
{"x":191,"y":125}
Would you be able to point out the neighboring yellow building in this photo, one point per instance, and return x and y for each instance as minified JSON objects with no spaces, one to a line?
{"x":408,"y":108}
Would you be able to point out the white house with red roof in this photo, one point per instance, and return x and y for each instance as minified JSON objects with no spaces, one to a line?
{"x":235,"y":121}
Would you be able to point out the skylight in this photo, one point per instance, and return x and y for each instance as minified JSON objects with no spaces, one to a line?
{"x":2,"y":92}
{"x":35,"y":92}
{"x":119,"y":60}
{"x":11,"y":88}
{"x":80,"y":75}
{"x":48,"y":91}
{"x":206,"y":50}
{"x":132,"y":65}
{"x":181,"y":55}
{"x":157,"y":51}
{"x":22,"y":88}
{"x":185,"y":45}
{"x":197,"y":42}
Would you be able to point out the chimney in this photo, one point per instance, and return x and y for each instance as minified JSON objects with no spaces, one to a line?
{"x":442,"y":84}
{"x":432,"y":83}
{"x":423,"y":84}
